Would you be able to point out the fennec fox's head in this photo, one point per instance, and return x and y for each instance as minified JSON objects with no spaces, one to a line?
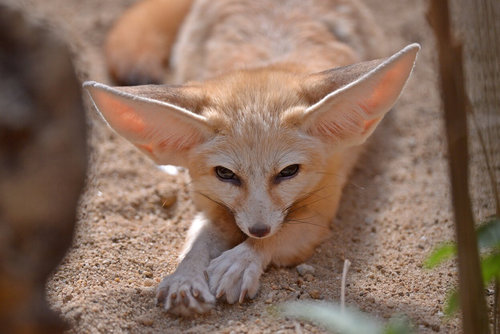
{"x":257,"y":141}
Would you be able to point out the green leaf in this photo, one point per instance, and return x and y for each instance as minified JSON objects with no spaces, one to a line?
{"x":440,"y":254}
{"x":452,"y":303}
{"x":398,"y":325}
{"x":490,"y":267}
{"x":488,"y":234}
{"x":331,"y":317}
{"x":488,"y":237}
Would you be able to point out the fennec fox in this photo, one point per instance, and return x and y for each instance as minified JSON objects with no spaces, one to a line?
{"x":270,"y":117}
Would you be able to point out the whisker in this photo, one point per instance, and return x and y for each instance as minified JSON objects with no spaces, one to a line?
{"x":224,"y":205}
{"x":296,"y":221}
{"x":355,"y":185}
{"x":309,"y":203}
{"x":305,"y":197}
{"x":306,"y":217}
{"x":349,"y":182}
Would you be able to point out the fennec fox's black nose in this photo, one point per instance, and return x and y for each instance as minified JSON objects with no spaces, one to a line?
{"x":259,"y":230}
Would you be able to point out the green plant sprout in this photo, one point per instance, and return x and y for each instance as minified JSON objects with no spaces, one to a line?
{"x":488,"y":239}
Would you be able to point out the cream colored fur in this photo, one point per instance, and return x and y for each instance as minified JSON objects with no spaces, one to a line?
{"x":269,"y":94}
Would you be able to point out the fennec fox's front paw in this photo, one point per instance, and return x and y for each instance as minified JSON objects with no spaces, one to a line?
{"x":185,"y":293}
{"x":235,"y":274}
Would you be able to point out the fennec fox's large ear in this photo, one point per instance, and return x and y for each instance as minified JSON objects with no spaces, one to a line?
{"x":359,"y":97}
{"x":163,"y":131}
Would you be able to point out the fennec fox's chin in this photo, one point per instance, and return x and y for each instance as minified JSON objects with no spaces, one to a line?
{"x":268,"y":132}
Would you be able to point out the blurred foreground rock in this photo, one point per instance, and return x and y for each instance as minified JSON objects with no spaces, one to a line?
{"x":42,"y":168}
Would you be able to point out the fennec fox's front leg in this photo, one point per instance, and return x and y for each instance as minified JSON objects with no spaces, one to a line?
{"x":186,"y":291}
{"x":265,"y":148}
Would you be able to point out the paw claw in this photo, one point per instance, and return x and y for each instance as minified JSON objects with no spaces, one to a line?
{"x":242,"y":296}
{"x":235,"y":274}
{"x":162,"y":294}
{"x":197,"y":294}
{"x":184,"y":299}
{"x":185,"y":293}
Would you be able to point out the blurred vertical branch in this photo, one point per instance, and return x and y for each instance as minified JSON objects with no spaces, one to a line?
{"x":472,"y":300}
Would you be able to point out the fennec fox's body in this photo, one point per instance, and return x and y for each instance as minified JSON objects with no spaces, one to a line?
{"x":269,"y":131}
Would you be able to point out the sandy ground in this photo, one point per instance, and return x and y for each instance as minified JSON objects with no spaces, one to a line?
{"x":133,"y":218}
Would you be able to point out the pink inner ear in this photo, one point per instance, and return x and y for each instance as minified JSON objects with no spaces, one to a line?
{"x":119,"y":114}
{"x":385,"y":92}
{"x":369,"y":123}
{"x":148,"y":148}
{"x":350,"y":114}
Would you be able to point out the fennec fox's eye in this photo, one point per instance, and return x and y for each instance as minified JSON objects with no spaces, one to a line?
{"x":226,"y":175}
{"x":287,"y":172}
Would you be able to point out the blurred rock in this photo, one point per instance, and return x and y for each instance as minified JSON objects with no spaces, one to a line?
{"x":42,"y":168}
{"x":304,"y":269}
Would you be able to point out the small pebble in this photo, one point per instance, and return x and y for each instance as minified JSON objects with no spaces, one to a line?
{"x":369,"y":220}
{"x":304,"y":269}
{"x":315,"y":294}
{"x":146,"y":321}
{"x":309,"y":277}
{"x":269,"y":299}
{"x":148,"y":274}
